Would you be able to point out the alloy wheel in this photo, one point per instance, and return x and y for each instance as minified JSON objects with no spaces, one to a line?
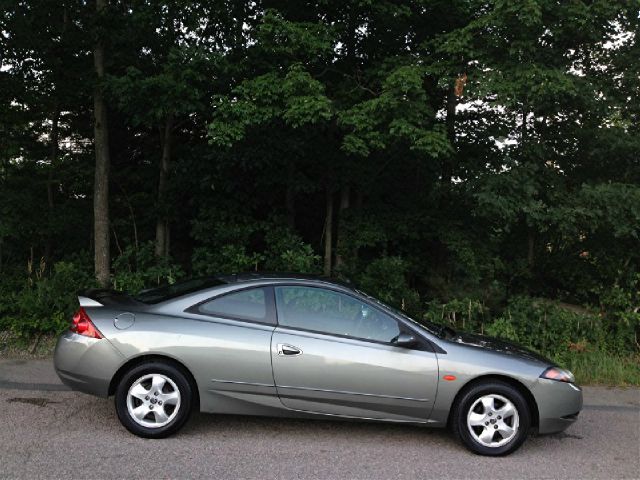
{"x":493,"y":420}
{"x":153,"y":400}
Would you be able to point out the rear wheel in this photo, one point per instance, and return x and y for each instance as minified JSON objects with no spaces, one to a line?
{"x":154,"y":400}
{"x":491,"y":418}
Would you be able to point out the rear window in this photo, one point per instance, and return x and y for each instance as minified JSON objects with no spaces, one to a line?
{"x":246,"y":305}
{"x":167,"y":292}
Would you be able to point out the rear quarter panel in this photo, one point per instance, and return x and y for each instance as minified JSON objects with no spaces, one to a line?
{"x":229,"y":360}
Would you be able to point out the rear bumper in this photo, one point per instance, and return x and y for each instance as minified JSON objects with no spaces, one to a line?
{"x":86,"y":364}
{"x":559,"y":404}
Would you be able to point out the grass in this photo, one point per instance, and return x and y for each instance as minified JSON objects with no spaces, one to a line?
{"x":15,"y":346}
{"x":599,"y":368}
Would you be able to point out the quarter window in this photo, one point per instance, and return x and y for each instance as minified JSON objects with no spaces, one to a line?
{"x":247,"y":305}
{"x":326,"y":311}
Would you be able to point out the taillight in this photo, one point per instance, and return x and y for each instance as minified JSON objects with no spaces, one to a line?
{"x":82,"y":325}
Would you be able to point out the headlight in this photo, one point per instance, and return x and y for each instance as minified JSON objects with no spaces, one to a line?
{"x":558,"y":374}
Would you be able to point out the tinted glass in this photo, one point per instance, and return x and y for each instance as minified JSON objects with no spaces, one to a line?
{"x":331,"y":312}
{"x":247,"y":304}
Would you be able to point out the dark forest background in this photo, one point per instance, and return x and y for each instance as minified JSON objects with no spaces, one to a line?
{"x":473,"y":162}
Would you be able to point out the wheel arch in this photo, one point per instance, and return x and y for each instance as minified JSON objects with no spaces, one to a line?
{"x":141,"y":359}
{"x":518,"y":385}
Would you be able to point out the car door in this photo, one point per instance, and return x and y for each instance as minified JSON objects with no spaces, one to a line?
{"x":228,"y":350}
{"x":334,"y":353}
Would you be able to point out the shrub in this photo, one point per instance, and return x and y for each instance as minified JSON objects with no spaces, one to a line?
{"x":261,"y":246}
{"x":286,"y":252}
{"x":467,"y":314}
{"x":559,"y":331}
{"x":230,"y":258}
{"x":44,"y":303}
{"x":386,"y":279}
{"x":139,"y":268}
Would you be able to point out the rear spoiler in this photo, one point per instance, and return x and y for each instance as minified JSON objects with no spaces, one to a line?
{"x":100,"y":297}
{"x":88,"y":302}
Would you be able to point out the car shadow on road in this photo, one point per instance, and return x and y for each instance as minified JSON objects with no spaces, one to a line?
{"x":292,"y":428}
{"x":330,"y":433}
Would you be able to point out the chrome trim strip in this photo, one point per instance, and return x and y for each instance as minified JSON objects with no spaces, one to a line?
{"x":255,"y":384}
{"x":354,"y":393}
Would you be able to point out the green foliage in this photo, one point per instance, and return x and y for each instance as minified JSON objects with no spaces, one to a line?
{"x":592,"y":368}
{"x":138,"y":268}
{"x":561,"y":332}
{"x":400,"y":113}
{"x":287,"y":252}
{"x":295,"y":98}
{"x":226,"y":259}
{"x":174,"y":90}
{"x":479,"y":153}
{"x":386,"y":279}
{"x":43,"y":301}
{"x":236,"y":244}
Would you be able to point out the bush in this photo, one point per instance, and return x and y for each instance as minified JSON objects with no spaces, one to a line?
{"x":286,"y":252}
{"x":44,"y":303}
{"x":139,"y":268}
{"x":386,"y":278}
{"x":260,"y":246}
{"x":559,"y":331}
{"x":43,"y":300}
{"x":467,"y":314}
{"x":225,"y":259}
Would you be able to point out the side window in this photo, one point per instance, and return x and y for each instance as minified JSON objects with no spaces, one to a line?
{"x":326,"y":311}
{"x":245,"y":305}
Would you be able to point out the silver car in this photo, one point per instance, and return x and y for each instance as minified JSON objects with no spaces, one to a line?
{"x":295,"y":346}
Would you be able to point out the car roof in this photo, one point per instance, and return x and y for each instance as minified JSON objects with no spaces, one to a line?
{"x":280,"y":277}
{"x":199,"y":286}
{"x":162,"y":297}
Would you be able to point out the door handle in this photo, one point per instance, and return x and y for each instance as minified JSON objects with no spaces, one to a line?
{"x":288,"y":350}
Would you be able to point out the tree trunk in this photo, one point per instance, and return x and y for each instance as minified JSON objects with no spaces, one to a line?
{"x":358,"y":204}
{"x":448,"y":162}
{"x":290,"y":199}
{"x":102,"y":257}
{"x":530,"y":249}
{"x":345,"y":197}
{"x":328,"y":233}
{"x":162,"y":222}
{"x":53,"y":154}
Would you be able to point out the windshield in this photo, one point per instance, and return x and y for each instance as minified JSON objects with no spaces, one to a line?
{"x":167,"y":292}
{"x":437,"y":330}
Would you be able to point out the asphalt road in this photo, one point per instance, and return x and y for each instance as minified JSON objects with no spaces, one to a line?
{"x":49,"y":432}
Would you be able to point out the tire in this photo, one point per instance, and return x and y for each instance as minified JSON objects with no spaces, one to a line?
{"x":146,"y":414}
{"x":477,"y":421}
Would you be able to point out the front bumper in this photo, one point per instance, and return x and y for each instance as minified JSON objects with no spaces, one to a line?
{"x":86,"y":364}
{"x":559,"y":404}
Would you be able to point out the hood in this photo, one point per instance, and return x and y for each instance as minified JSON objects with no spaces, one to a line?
{"x":500,"y":346}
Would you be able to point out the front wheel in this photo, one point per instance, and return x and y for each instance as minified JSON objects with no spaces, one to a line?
{"x":153,"y":400}
{"x":492,"y":418}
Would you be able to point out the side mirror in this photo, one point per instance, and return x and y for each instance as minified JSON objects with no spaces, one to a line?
{"x":405,"y":340}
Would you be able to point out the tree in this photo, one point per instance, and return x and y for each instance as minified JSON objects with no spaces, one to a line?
{"x":451,"y":148}
{"x":102,"y":236}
